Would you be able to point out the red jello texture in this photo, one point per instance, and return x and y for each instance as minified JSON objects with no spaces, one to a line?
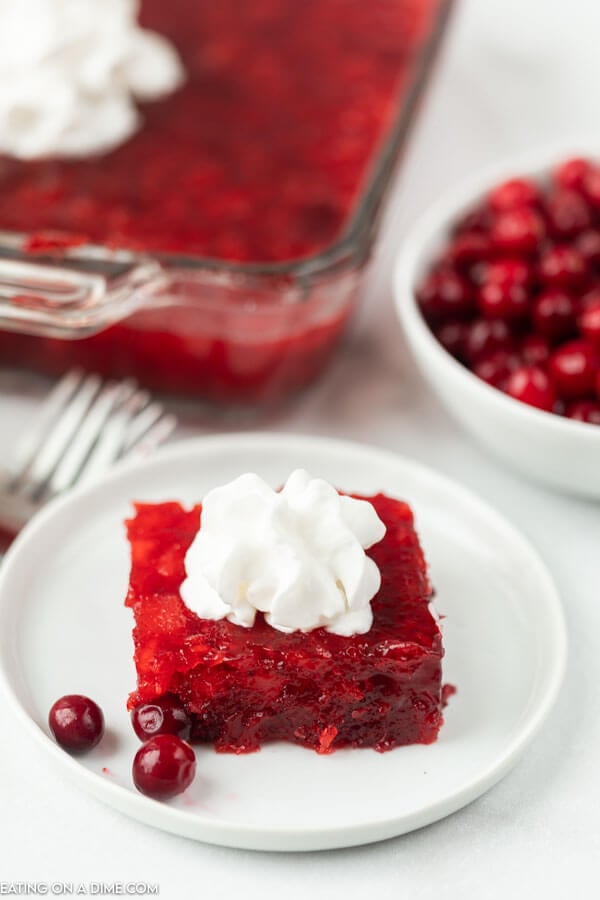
{"x":262,"y":157}
{"x":261,"y":154}
{"x":246,"y":687}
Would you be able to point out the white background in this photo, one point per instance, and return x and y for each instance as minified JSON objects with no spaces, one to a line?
{"x":515,"y":74}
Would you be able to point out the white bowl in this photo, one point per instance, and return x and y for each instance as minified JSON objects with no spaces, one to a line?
{"x":563,"y":453}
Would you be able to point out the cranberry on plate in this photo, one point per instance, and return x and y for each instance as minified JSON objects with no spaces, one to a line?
{"x":515,"y":294}
{"x":76,"y":722}
{"x":165,"y":715}
{"x":163,"y":767}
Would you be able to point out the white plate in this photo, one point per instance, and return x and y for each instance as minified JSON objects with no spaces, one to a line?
{"x":64,"y":629}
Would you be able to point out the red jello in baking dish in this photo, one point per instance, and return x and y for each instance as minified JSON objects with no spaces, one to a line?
{"x":248,"y":686}
{"x":256,"y":185}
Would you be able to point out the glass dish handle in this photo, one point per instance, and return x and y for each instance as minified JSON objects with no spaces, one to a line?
{"x":72,"y":298}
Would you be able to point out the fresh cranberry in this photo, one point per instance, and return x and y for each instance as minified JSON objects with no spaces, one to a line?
{"x":534,"y":350}
{"x":573,"y":367}
{"x":163,"y":767}
{"x":517,"y":231}
{"x":563,"y":266}
{"x":584,"y":411}
{"x":76,"y":722}
{"x":588,"y":245}
{"x":165,"y":715}
{"x":571,"y":174}
{"x":445,"y":294}
{"x":451,"y":336}
{"x":589,"y":321}
{"x":513,"y":194}
{"x":554,"y":314}
{"x":468,"y":248}
{"x":478,"y":219}
{"x":496,"y":367}
{"x":523,"y":275}
{"x":485,"y":336}
{"x":503,"y":301}
{"x":567,"y":214}
{"x":531,"y":385}
{"x":591,"y":187}
{"x":590,"y":298}
{"x":507,"y":271}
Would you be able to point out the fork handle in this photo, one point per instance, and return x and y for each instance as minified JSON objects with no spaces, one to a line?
{"x":70,"y":298}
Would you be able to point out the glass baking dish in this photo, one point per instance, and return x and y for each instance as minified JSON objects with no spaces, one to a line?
{"x":233,"y":321}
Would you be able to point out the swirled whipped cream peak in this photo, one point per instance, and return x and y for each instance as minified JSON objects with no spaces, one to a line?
{"x":296,"y":555}
{"x":71,"y":72}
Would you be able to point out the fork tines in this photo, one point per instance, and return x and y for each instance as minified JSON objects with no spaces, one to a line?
{"x":84,"y":426}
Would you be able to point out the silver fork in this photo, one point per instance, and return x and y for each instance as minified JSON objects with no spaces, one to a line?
{"x":83,"y":427}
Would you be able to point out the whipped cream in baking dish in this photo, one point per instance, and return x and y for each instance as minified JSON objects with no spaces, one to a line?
{"x":296,"y":555}
{"x":71,"y":71}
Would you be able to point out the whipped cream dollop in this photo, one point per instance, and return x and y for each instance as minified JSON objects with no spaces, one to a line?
{"x":296,"y":555}
{"x":71,"y":72}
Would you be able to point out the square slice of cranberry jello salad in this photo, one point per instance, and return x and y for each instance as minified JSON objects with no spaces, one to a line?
{"x":301,"y":614}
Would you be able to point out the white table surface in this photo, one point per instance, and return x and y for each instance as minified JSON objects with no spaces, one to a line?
{"x":516,"y":73}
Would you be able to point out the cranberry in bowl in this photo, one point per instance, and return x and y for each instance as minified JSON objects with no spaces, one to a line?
{"x":497,"y":289}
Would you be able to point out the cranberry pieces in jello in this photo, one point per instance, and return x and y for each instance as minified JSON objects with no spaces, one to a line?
{"x":515,"y":294}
